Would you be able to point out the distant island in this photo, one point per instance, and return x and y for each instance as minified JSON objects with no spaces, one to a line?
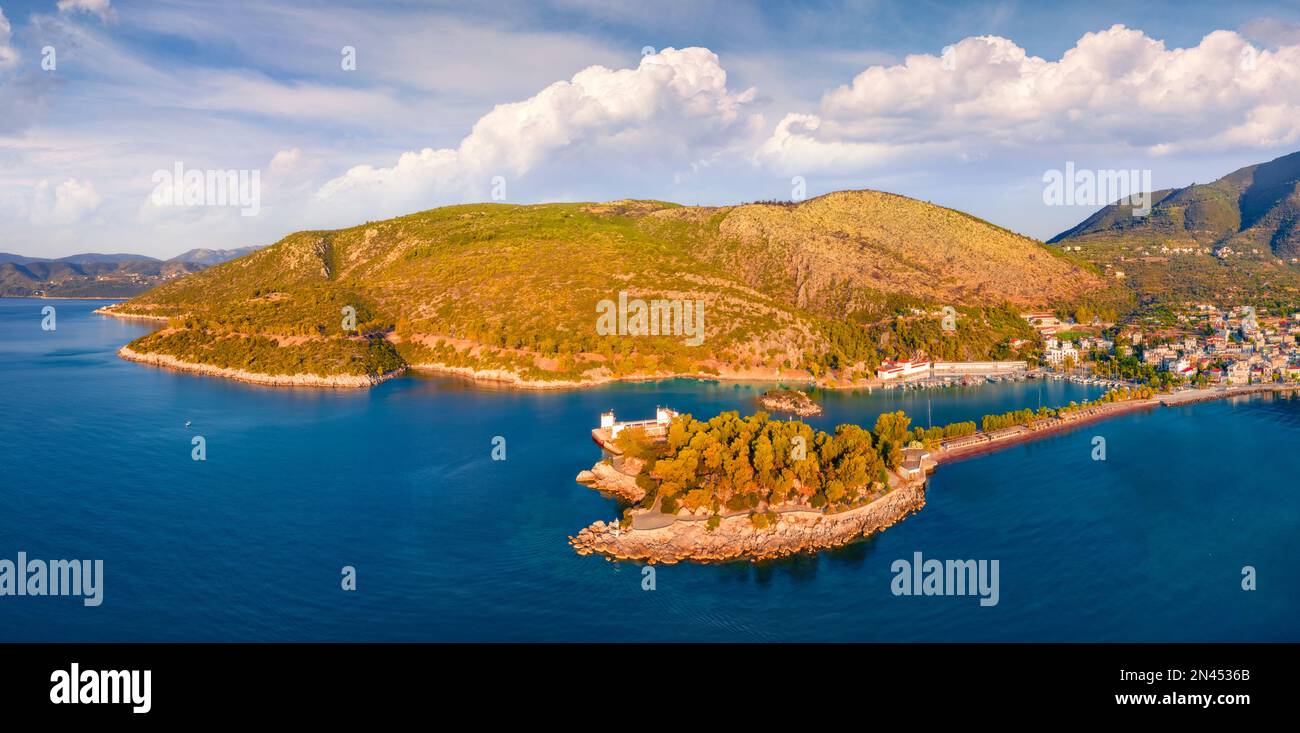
{"x":792,"y":401}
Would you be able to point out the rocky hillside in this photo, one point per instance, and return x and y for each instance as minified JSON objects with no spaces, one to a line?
{"x":1235,"y":239}
{"x":1256,"y":207}
{"x":515,"y":292}
{"x":852,"y":250}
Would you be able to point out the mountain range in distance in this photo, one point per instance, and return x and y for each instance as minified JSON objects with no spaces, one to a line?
{"x":95,"y":275}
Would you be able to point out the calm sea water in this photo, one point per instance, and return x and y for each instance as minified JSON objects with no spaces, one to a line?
{"x":450,"y":545}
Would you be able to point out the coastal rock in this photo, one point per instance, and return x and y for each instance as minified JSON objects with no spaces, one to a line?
{"x":736,"y":538}
{"x":604,"y":477}
{"x":513,"y":379}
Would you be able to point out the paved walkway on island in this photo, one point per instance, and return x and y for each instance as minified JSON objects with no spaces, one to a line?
{"x":653,"y":518}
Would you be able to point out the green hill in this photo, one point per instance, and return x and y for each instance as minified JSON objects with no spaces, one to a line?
{"x":515,"y":290}
{"x":1235,"y":239}
{"x":1256,"y":207}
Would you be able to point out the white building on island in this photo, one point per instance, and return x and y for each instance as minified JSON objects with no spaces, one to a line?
{"x":657,"y":426}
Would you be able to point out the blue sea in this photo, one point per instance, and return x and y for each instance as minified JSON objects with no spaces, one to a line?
{"x":398,"y":482}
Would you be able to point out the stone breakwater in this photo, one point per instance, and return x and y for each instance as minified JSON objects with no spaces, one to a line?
{"x":735,"y":538}
{"x":335,"y":381}
{"x":1008,"y":437}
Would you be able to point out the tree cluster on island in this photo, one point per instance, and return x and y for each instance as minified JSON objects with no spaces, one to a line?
{"x":732,"y":464}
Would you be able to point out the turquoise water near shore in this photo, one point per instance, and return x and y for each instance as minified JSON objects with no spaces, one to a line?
{"x":398,"y":482}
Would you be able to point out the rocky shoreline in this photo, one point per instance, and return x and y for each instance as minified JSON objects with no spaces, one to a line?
{"x":499,"y":377}
{"x":606,"y":478}
{"x":107,"y":310}
{"x":508,"y":378}
{"x":735,"y":538}
{"x":337,"y":381}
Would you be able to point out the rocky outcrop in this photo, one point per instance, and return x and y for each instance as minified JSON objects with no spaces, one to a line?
{"x":336,"y":381}
{"x":605,"y":477}
{"x":736,"y":538}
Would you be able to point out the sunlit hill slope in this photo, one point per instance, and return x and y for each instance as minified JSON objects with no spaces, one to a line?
{"x":513,"y":292}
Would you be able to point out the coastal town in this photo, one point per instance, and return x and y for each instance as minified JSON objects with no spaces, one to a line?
{"x":1197,"y":345}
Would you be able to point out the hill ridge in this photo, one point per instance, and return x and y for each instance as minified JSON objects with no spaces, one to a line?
{"x":514,"y":289}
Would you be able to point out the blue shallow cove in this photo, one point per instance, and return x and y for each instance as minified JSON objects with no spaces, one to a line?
{"x":449,"y":545}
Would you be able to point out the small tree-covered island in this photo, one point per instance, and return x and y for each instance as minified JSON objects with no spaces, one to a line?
{"x":752,"y":487}
{"x":793,"y":401}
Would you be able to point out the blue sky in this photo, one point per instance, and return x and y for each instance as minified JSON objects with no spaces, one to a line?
{"x":563,"y":101}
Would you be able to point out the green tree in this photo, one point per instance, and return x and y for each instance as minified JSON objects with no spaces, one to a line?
{"x":891,"y":435}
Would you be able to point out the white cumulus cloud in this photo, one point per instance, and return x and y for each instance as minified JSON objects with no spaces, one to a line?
{"x":1115,"y":90}
{"x":673,"y":108}
{"x":68,"y":202}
